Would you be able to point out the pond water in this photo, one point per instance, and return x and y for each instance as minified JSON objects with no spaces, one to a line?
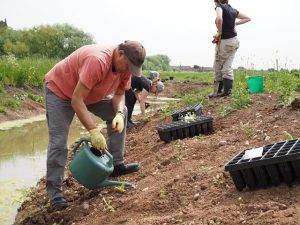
{"x":23,"y":157}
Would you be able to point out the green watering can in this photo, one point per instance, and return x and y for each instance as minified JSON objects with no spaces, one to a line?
{"x":91,"y":168}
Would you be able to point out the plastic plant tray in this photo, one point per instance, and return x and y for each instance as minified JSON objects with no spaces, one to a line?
{"x":280,"y":162}
{"x":181,"y":129}
{"x":197,"y":109}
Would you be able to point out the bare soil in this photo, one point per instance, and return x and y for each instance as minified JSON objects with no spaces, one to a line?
{"x":193,"y":190}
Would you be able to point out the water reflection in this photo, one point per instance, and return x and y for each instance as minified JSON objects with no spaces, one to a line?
{"x":23,"y":160}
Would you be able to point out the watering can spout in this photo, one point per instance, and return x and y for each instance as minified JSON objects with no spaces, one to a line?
{"x":107,"y":182}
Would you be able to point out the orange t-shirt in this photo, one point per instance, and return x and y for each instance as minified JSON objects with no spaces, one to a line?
{"x":92,"y":65}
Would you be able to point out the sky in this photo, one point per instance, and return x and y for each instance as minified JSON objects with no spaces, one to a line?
{"x":182,"y":30}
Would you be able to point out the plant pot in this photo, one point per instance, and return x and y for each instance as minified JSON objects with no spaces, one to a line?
{"x":181,"y":129}
{"x":280,"y":162}
{"x":196,"y":109}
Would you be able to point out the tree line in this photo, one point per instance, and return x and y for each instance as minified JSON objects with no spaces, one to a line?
{"x":57,"y":41}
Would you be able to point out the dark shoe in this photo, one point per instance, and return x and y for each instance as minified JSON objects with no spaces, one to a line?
{"x":123,"y":169}
{"x":59,"y":203}
{"x":227,"y":87}
{"x":131,"y":124}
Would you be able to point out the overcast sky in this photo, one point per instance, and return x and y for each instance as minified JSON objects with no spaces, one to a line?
{"x":182,"y":30}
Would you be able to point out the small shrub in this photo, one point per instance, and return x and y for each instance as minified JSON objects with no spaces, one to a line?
{"x":240,"y":98}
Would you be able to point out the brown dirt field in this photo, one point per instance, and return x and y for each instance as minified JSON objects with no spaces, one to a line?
{"x":194,"y":190}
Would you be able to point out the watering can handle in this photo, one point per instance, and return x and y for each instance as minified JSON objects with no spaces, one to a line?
{"x":81,"y":140}
{"x":86,"y":140}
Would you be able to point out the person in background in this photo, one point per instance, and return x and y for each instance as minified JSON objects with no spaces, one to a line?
{"x":227,"y":44}
{"x":140,"y":89}
{"x":154,"y":75}
{"x":79,"y":84}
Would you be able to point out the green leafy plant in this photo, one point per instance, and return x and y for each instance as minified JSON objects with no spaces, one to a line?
{"x":240,"y":98}
{"x":121,"y":188}
{"x":250,"y":132}
{"x":168,"y":109}
{"x":224,"y":110}
{"x":162,"y":195}
{"x":188,"y":117}
{"x":36,"y":98}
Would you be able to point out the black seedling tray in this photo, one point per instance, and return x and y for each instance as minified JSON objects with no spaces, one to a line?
{"x":280,"y":162}
{"x":181,"y":129}
{"x":196,"y":109}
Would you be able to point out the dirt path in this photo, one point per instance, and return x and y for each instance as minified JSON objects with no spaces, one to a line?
{"x":193,"y":190}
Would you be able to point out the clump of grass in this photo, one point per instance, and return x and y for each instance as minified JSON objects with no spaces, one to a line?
{"x":168,"y":109}
{"x":240,"y":97}
{"x":224,"y":110}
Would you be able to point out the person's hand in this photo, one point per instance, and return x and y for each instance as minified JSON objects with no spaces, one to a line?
{"x":118,"y":122}
{"x":217,"y":38}
{"x":97,"y":139}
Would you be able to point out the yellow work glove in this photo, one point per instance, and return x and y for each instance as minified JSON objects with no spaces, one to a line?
{"x":217,"y":35}
{"x":217,"y":38}
{"x":97,"y":139}
{"x":118,"y":122}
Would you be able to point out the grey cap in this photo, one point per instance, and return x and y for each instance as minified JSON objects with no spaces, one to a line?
{"x":154,"y":75}
{"x":160,"y":86}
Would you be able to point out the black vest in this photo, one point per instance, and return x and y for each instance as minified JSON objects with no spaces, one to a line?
{"x":229,"y":16}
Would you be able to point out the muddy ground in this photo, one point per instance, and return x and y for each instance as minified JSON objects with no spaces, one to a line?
{"x":183,"y":182}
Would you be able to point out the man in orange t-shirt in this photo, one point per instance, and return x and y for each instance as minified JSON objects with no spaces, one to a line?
{"x":79,"y":84}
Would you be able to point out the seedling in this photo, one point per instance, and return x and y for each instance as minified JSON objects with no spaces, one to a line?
{"x":108,"y":204}
{"x":188,"y":117}
{"x":179,"y":147}
{"x":218,"y":179}
{"x":162,"y":195}
{"x":290,"y":137}
{"x":224,"y":110}
{"x":250,"y":132}
{"x":121,"y":188}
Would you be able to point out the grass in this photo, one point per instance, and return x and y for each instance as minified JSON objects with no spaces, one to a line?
{"x":28,"y":71}
{"x":31,"y":72}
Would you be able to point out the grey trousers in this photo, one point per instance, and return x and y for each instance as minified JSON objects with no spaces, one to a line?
{"x":224,"y":56}
{"x":60,"y":114}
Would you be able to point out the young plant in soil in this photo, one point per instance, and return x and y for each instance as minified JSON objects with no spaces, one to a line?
{"x":108,"y":204}
{"x":162,"y":195}
{"x":289,"y":136}
{"x":179,"y":148}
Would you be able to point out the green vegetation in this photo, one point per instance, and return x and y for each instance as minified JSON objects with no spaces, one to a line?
{"x":162,"y":195}
{"x":168,"y":109}
{"x":52,"y":41}
{"x":157,"y":62}
{"x":27,"y":71}
{"x":285,"y":84}
{"x":9,"y":198}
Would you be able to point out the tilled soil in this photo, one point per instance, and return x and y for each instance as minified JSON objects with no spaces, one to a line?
{"x":183,"y":182}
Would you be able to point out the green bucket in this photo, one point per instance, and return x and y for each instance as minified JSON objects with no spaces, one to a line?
{"x":256,"y":84}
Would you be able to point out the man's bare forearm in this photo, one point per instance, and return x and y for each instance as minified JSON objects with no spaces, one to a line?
{"x":119,"y":102}
{"x":83,"y":114}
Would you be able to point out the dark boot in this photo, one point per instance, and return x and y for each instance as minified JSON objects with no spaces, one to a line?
{"x":123,"y":169}
{"x":227,"y":87}
{"x":218,"y":86}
